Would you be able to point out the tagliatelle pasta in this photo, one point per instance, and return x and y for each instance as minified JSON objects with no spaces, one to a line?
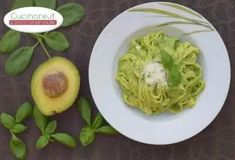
{"x":155,"y":83}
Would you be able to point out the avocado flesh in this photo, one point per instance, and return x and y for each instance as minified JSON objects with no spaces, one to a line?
{"x":55,"y":85}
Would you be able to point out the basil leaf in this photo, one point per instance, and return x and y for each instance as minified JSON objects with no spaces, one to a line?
{"x":167,"y":59}
{"x":9,"y":41}
{"x":21,"y":3}
{"x":18,"y":128}
{"x":174,"y":77}
{"x":65,"y":139}
{"x":7,"y":120}
{"x":72,"y":13}
{"x":18,"y":61}
{"x":24,"y":111}
{"x":98,"y":121}
{"x":39,"y":119}
{"x":87,"y":136}
{"x":85,"y":108}
{"x":51,"y":127}
{"x":106,"y":130}
{"x":46,"y":3}
{"x":56,"y":41}
{"x":42,"y":142}
{"x":17,"y":147}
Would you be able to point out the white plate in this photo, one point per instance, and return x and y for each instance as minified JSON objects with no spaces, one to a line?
{"x":165,"y":128}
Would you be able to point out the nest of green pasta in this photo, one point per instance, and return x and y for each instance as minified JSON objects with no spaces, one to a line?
{"x":159,"y":73}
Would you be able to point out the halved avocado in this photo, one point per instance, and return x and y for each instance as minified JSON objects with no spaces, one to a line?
{"x":55,"y":85}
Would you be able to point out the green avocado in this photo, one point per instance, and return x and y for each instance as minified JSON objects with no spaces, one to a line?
{"x":55,"y":85}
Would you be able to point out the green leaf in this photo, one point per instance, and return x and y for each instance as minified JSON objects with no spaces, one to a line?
{"x":87,"y":135}
{"x":17,"y":147}
{"x":165,"y":13}
{"x":85,"y":108}
{"x":51,"y":127}
{"x":19,"y":60}
{"x":184,"y":22}
{"x":182,"y":8}
{"x":45,"y":3}
{"x":56,"y":41}
{"x":39,"y":119}
{"x":42,"y":142}
{"x":65,"y":139}
{"x":98,"y":121}
{"x":174,"y":77}
{"x":21,"y":3}
{"x":7,"y":120}
{"x":72,"y":13}
{"x":167,"y":59}
{"x":18,"y":128}
{"x":106,"y":130}
{"x":25,"y":110}
{"x":9,"y":41}
{"x":198,"y":31}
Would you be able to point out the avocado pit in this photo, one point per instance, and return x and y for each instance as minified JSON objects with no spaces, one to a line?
{"x":55,"y":84}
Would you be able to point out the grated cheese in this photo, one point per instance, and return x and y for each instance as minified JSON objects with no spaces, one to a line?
{"x":154,"y":73}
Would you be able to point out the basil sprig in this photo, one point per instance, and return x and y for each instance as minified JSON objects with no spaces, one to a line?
{"x":15,"y":126}
{"x":89,"y":131}
{"x":48,"y":131}
{"x":174,"y":76}
{"x":20,"y":58}
{"x":17,"y":147}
